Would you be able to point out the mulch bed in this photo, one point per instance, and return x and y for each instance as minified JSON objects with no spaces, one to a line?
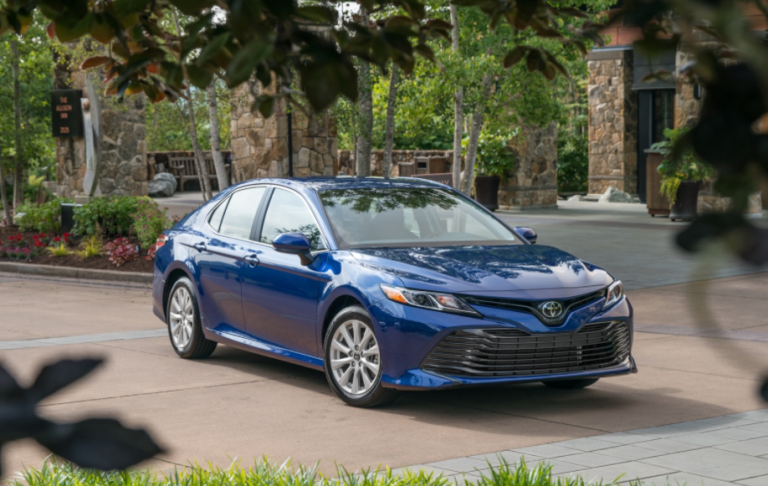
{"x":140,"y":265}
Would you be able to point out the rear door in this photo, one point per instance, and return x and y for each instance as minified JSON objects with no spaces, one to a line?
{"x":280,"y":295}
{"x":220,"y":256}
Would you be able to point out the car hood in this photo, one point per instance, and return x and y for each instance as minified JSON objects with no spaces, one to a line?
{"x":515,"y":270}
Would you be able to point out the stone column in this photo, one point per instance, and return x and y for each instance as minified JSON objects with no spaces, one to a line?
{"x":260,"y":146}
{"x":534,"y":183}
{"x":123,"y":168}
{"x":612,"y":121}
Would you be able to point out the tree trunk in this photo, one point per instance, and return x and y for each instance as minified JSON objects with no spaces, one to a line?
{"x":478,"y":118}
{"x":365,"y":108}
{"x":4,"y":196}
{"x":390,"y":135}
{"x":202,"y":171}
{"x":458,"y":103}
{"x":218,"y":160}
{"x":18,"y":176}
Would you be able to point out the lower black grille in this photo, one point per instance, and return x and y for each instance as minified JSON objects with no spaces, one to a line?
{"x":512,"y":352}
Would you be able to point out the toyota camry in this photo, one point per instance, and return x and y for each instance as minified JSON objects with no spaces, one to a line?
{"x":386,"y":285}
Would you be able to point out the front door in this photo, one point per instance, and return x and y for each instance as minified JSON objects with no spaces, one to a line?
{"x":280,"y":295}
{"x":220,"y":253}
{"x":656,"y":112}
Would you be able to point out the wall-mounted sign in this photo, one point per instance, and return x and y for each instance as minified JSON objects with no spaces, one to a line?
{"x":67,"y":118}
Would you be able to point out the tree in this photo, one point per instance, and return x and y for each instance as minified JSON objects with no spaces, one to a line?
{"x":390,"y":136}
{"x":18,"y":172}
{"x":202,"y":170}
{"x":478,"y":118}
{"x":458,"y":107}
{"x":218,"y":161}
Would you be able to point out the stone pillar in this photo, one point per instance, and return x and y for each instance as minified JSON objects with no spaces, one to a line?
{"x":534,"y":183}
{"x":612,"y":121}
{"x":260,"y":146}
{"x":123,"y":169}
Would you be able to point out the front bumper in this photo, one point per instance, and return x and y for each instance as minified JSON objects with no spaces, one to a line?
{"x":409,"y":334}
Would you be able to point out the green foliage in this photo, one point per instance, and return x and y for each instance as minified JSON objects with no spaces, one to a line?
{"x":59,"y":250}
{"x":110,"y":216}
{"x":91,"y":247}
{"x":167,"y":123}
{"x":36,"y":82}
{"x":572,"y":162}
{"x":149,"y":222}
{"x":679,"y":164}
{"x":262,"y":473}
{"x":494,"y":155}
{"x":43,"y":218}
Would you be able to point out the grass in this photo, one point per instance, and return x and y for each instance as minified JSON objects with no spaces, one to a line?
{"x":262,"y":473}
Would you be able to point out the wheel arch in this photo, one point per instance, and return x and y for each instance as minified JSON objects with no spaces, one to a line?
{"x":173,"y":277}
{"x":340,"y":302}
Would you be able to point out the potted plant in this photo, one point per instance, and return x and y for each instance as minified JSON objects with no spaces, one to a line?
{"x":681,"y":175}
{"x":495,"y":163}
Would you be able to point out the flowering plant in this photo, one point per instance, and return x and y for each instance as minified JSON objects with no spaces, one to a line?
{"x":121,"y":251}
{"x":17,"y":238}
{"x":151,"y":252}
{"x":149,"y":222}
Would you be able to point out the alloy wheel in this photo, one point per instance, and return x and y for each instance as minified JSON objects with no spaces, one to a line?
{"x":182,"y":317}
{"x":355,"y":358}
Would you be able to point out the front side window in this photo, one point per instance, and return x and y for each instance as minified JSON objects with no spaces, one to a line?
{"x":240,"y":212}
{"x":287,"y":213}
{"x":409,"y":217}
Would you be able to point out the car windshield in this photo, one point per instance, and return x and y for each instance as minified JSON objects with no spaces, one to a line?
{"x":409,"y":217}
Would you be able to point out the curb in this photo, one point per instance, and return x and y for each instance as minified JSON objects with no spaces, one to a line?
{"x":78,"y":273}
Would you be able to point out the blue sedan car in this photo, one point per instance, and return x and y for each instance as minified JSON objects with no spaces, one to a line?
{"x":386,"y":285}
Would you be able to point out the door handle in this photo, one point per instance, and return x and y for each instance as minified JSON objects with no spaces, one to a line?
{"x":199,"y":247}
{"x":251,"y":259}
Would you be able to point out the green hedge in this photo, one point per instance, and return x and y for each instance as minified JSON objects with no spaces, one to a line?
{"x":44,"y":218}
{"x":262,"y":473}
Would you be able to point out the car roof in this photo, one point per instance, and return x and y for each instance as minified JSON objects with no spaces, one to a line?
{"x":346,"y":182}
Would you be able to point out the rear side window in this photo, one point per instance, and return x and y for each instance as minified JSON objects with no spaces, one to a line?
{"x":287,"y":213}
{"x":218,"y":213}
{"x":241,"y":212}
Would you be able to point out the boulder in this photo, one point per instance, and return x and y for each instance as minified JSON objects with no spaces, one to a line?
{"x":165,"y":176}
{"x":615,"y":195}
{"x":161,"y":188}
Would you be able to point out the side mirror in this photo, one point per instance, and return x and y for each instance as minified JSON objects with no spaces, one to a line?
{"x":296,"y":244}
{"x":527,"y":233}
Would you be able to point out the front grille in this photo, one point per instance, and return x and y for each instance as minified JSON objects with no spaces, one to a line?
{"x":532,"y":306}
{"x":487,"y":353}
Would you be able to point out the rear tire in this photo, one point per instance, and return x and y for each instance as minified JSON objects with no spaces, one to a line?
{"x":571,"y":384}
{"x":353,"y":360}
{"x":184,"y":325}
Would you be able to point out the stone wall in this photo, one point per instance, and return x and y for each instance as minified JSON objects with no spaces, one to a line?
{"x":123,"y":169}
{"x":260,"y":146}
{"x":534,"y":183}
{"x":438,"y":158}
{"x":612,"y":122}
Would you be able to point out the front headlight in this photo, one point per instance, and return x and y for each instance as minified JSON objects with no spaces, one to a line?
{"x":427,"y":300}
{"x":615,"y":294}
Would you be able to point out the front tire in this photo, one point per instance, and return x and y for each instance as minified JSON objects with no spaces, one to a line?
{"x":571,"y":384}
{"x":353,"y":360}
{"x":184,"y":325}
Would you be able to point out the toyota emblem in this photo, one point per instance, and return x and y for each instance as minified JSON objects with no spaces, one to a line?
{"x":551,"y":309}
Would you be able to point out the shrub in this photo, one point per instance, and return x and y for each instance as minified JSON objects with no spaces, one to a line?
{"x":59,"y":250}
{"x":121,"y":251}
{"x":45,"y":218}
{"x":149,"y":222}
{"x":111,"y":216}
{"x":91,"y":247}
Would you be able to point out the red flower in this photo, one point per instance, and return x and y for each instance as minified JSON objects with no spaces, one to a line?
{"x":56,"y":239}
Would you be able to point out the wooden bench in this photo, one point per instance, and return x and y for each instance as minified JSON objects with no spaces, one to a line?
{"x":184,"y":168}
